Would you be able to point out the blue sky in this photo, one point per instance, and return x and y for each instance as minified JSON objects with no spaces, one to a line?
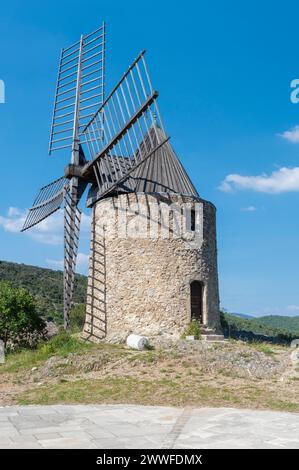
{"x":223,"y":70}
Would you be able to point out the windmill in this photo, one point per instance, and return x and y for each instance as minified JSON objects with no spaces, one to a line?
{"x":108,"y":138}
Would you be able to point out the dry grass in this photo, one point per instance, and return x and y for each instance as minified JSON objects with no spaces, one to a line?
{"x":232,"y":374}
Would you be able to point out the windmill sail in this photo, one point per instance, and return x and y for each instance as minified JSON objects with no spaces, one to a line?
{"x":48,"y":201}
{"x":79,"y":93}
{"x":126,"y":130}
{"x":79,"y":88}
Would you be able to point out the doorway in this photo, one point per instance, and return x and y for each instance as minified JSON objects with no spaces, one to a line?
{"x":196,"y":291}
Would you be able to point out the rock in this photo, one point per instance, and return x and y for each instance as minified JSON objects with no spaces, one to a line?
{"x":51,"y":329}
{"x":33,"y":369}
{"x":295,"y":343}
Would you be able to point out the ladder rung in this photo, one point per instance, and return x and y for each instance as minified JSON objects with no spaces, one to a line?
{"x":94,"y":39}
{"x":67,"y":76}
{"x":90,"y":73}
{"x":92,"y":56}
{"x":67,"y":69}
{"x":92,"y":48}
{"x":90,"y":89}
{"x":94,"y":32}
{"x":64,"y":115}
{"x":66,"y":91}
{"x":91,"y":97}
{"x":63,"y":64}
{"x":61,"y":132}
{"x":57,"y":124}
{"x":52,"y":149}
{"x":66,"y":99}
{"x":91,"y":106}
{"x":70,"y":47}
{"x":64,"y":107}
{"x":65,"y":56}
{"x":91,"y":65}
{"x":91,"y":81}
{"x":60,"y":140}
{"x":87,"y":115}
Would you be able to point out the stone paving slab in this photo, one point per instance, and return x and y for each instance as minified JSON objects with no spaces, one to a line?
{"x":130,"y":426}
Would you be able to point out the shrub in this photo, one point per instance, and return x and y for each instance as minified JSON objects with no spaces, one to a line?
{"x":77,"y":317}
{"x":193,"y":329}
{"x":20,"y":323}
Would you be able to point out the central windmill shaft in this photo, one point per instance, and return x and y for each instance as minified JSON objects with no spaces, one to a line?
{"x":72,"y":215}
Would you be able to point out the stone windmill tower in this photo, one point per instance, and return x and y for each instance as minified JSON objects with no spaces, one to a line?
{"x":153,"y":263}
{"x":153,"y":258}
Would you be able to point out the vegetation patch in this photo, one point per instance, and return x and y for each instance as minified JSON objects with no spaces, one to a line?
{"x":193,"y":329}
{"x":20,"y":322}
{"x":46,"y":285}
{"x":61,"y":345}
{"x":274,"y":329}
{"x":171,"y":392}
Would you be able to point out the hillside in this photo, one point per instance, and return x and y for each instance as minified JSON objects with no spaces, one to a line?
{"x":45,"y":284}
{"x":242,"y":315}
{"x":273,"y":328}
{"x":279,"y":321}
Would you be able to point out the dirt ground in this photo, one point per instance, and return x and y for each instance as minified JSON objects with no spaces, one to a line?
{"x":256,"y":376}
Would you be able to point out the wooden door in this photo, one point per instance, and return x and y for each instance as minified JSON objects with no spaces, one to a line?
{"x":196,"y":288}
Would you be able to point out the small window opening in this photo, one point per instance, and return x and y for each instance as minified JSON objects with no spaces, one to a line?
{"x":193,"y":222}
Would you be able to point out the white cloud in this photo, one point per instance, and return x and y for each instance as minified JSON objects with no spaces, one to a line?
{"x":11,"y":223}
{"x":249,"y":209}
{"x":280,"y":181}
{"x":293,"y":308}
{"x":49,"y":231}
{"x":55,"y":263}
{"x":81,"y":265}
{"x":292,"y":135}
{"x":85,"y":223}
{"x":14,"y":211}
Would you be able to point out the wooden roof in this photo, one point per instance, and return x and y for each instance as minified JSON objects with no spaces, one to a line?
{"x":161,"y":173}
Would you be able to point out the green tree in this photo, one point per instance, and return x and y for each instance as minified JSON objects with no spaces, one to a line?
{"x":19,"y":319}
{"x":77,"y":317}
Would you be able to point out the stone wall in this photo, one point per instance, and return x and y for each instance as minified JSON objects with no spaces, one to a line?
{"x":141,"y":267}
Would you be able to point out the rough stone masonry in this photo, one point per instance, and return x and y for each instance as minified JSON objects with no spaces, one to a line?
{"x":144,"y":256}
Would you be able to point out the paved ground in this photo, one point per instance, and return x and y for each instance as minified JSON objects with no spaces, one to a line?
{"x":125,"y":426}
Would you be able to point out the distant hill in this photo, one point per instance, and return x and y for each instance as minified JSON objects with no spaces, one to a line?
{"x":275,"y":328}
{"x":243,"y":315}
{"x":280,"y":321}
{"x":45,"y":284}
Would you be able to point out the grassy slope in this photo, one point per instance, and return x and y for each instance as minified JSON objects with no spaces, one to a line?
{"x":66,"y":370}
